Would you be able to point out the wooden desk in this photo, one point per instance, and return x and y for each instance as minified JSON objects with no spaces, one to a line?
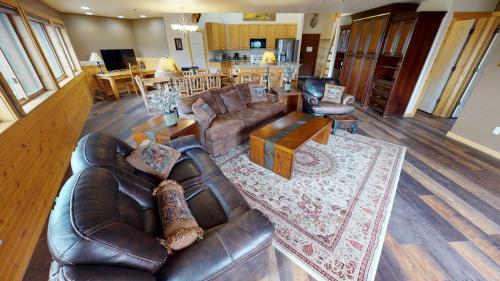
{"x":113,"y":76}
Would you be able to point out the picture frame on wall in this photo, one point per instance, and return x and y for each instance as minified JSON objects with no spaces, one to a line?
{"x":178,"y":44}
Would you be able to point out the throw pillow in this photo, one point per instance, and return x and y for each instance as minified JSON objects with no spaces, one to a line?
{"x":333,"y":93}
{"x":202,"y":110}
{"x":153,"y":158}
{"x":180,"y":229}
{"x":257,"y":93}
{"x":233,"y":101}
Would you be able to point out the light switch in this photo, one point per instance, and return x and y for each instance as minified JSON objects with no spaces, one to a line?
{"x":309,"y":49}
{"x":496,"y":131}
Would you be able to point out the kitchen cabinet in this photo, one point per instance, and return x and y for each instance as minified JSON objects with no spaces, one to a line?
{"x":244,"y":36}
{"x":271,"y":36}
{"x":254,"y":30}
{"x":281,"y":31}
{"x":234,"y":37}
{"x":291,"y":31}
{"x":262,"y":30}
{"x":216,"y":36}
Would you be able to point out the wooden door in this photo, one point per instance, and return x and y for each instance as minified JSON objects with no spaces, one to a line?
{"x":470,"y":57}
{"x":270,"y":36}
{"x":254,"y":30}
{"x":280,"y":31}
{"x":234,"y":37}
{"x":442,"y":66}
{"x":308,"y":54}
{"x":244,"y":37}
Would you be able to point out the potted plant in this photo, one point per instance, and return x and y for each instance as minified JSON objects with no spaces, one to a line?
{"x":167,"y":103}
{"x":288,"y":73}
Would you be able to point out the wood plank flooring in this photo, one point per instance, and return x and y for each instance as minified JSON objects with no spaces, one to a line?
{"x":445,"y":223}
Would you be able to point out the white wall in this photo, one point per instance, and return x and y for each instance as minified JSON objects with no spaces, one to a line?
{"x":442,"y":5}
{"x":182,"y":56}
{"x":150,"y":37}
{"x":324,"y":26}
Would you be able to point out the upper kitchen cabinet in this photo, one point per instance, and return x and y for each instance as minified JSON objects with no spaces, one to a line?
{"x":244,"y":36}
{"x":234,"y":37}
{"x":271,"y":36}
{"x":216,"y":36}
{"x":281,"y":31}
{"x":291,"y":30}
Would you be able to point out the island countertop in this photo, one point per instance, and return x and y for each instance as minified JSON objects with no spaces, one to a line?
{"x":277,"y":65}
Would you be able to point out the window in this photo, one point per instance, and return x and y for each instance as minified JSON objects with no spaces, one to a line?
{"x":15,"y":64}
{"x":43,"y":40}
{"x":65,"y":48}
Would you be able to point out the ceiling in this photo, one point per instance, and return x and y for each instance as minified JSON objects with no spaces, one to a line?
{"x":154,"y":8}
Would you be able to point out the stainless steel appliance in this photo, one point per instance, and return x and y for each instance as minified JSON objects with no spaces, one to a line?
{"x":287,"y":50}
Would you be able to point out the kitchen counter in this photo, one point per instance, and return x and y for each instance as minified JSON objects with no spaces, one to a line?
{"x":278,"y":65}
{"x":229,"y":60}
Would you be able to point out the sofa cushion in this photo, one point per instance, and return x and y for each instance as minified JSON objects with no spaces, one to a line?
{"x":216,"y":94}
{"x":244,"y":91}
{"x":333,"y":93}
{"x":210,"y":97}
{"x":257,"y":93}
{"x":252,"y":117}
{"x":179,"y":226}
{"x":233,"y":101}
{"x":202,"y":110}
{"x":223,"y":126}
{"x":326,"y":107}
{"x":153,"y":158}
{"x":272,"y":107}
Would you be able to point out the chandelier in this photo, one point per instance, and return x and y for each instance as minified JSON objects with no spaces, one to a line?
{"x":183,"y":25}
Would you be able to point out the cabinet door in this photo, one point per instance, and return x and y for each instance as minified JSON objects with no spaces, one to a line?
{"x":234,"y":37}
{"x":378,"y":26}
{"x":364,"y":78}
{"x":405,"y":31}
{"x":254,"y":30}
{"x":244,"y":37}
{"x":344,"y":40}
{"x":390,"y":39}
{"x":291,"y":31}
{"x":281,"y":31}
{"x":364,"y":36}
{"x":262,"y":30}
{"x":346,"y":71}
{"x":212,"y":31}
{"x":354,"y":38}
{"x":270,"y":36}
{"x":222,"y":36}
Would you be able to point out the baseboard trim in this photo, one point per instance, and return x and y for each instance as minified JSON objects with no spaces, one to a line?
{"x":474,"y":144}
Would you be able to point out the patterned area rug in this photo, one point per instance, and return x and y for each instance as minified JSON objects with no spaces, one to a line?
{"x":331,"y":217}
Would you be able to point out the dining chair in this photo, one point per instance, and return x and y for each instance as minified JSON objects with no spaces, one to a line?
{"x":213,"y":81}
{"x":188,"y":72}
{"x":196,"y":84}
{"x":134,"y":69}
{"x":182,"y":84}
{"x":148,"y":96}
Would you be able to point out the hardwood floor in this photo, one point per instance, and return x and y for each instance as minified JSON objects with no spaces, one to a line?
{"x":446,"y":215}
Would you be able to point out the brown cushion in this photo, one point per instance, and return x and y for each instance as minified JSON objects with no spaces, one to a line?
{"x":244,"y":91}
{"x":252,"y":117}
{"x":257,"y":93}
{"x":202,"y":110}
{"x":333,"y":93}
{"x":153,"y":158}
{"x":233,"y":101}
{"x":273,"y":107}
{"x":180,"y":229}
{"x":216,"y":93}
{"x":224,"y":126}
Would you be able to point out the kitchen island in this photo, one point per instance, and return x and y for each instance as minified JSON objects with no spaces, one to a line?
{"x":255,"y":71}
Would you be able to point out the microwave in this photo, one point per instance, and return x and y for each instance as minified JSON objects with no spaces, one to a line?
{"x":257,"y":43}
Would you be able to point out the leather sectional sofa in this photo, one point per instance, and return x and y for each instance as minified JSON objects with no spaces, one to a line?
{"x":230,"y":129}
{"x":105,"y":221}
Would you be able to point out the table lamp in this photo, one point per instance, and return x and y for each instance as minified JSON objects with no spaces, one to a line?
{"x":96,"y":58}
{"x":167,"y":67}
{"x":268,"y":58}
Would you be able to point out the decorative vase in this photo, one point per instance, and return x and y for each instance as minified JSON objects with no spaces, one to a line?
{"x":170,"y":118}
{"x":288,"y":87}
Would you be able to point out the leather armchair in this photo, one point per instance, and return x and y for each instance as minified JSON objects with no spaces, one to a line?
{"x":314,"y":89}
{"x":105,"y":221}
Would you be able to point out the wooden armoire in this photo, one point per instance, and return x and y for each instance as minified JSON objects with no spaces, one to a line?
{"x":387,"y":49}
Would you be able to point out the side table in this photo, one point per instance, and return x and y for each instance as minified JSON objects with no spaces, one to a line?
{"x":346,"y":122}
{"x":155,"y":130}
{"x":292,"y":99}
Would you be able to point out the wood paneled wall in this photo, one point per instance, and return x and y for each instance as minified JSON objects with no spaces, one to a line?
{"x":34,"y":155}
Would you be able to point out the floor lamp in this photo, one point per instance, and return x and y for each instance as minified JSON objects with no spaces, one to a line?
{"x":268,"y":58}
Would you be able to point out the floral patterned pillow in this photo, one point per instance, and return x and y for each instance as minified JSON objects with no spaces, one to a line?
{"x":180,"y":228}
{"x":153,"y":158}
{"x":333,"y":93}
{"x":202,"y":110}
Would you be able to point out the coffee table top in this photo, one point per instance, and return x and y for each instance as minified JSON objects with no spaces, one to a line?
{"x":295,"y":139}
{"x":156,"y":126}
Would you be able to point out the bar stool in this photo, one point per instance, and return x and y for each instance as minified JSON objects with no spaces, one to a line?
{"x":264,"y":79}
{"x":246,"y":78}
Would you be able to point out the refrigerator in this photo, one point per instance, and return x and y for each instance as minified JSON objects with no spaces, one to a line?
{"x":287,"y":50}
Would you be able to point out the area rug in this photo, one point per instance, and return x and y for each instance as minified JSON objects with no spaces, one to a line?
{"x":331,"y":217}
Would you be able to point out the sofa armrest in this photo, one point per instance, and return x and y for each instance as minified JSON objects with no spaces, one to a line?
{"x":272,"y":97}
{"x":221,"y":250}
{"x":310,"y":99}
{"x":185,"y":143}
{"x":100,"y":273}
{"x":203,"y":124}
{"x":348,"y":99}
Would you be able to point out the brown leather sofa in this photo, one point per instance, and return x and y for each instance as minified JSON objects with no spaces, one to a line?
{"x":230,"y":129}
{"x":105,"y":221}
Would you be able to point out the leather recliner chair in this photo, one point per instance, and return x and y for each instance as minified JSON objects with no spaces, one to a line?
{"x":105,"y":221}
{"x":314,"y":89}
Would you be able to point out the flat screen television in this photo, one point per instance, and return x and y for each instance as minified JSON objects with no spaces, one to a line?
{"x":118,"y":59}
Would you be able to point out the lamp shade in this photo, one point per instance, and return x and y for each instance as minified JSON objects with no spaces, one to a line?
{"x":95,"y":57}
{"x":167,"y":67}
{"x":268,"y":57}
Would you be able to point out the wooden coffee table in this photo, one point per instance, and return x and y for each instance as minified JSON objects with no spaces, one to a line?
{"x":274,"y":145}
{"x":155,"y":129}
